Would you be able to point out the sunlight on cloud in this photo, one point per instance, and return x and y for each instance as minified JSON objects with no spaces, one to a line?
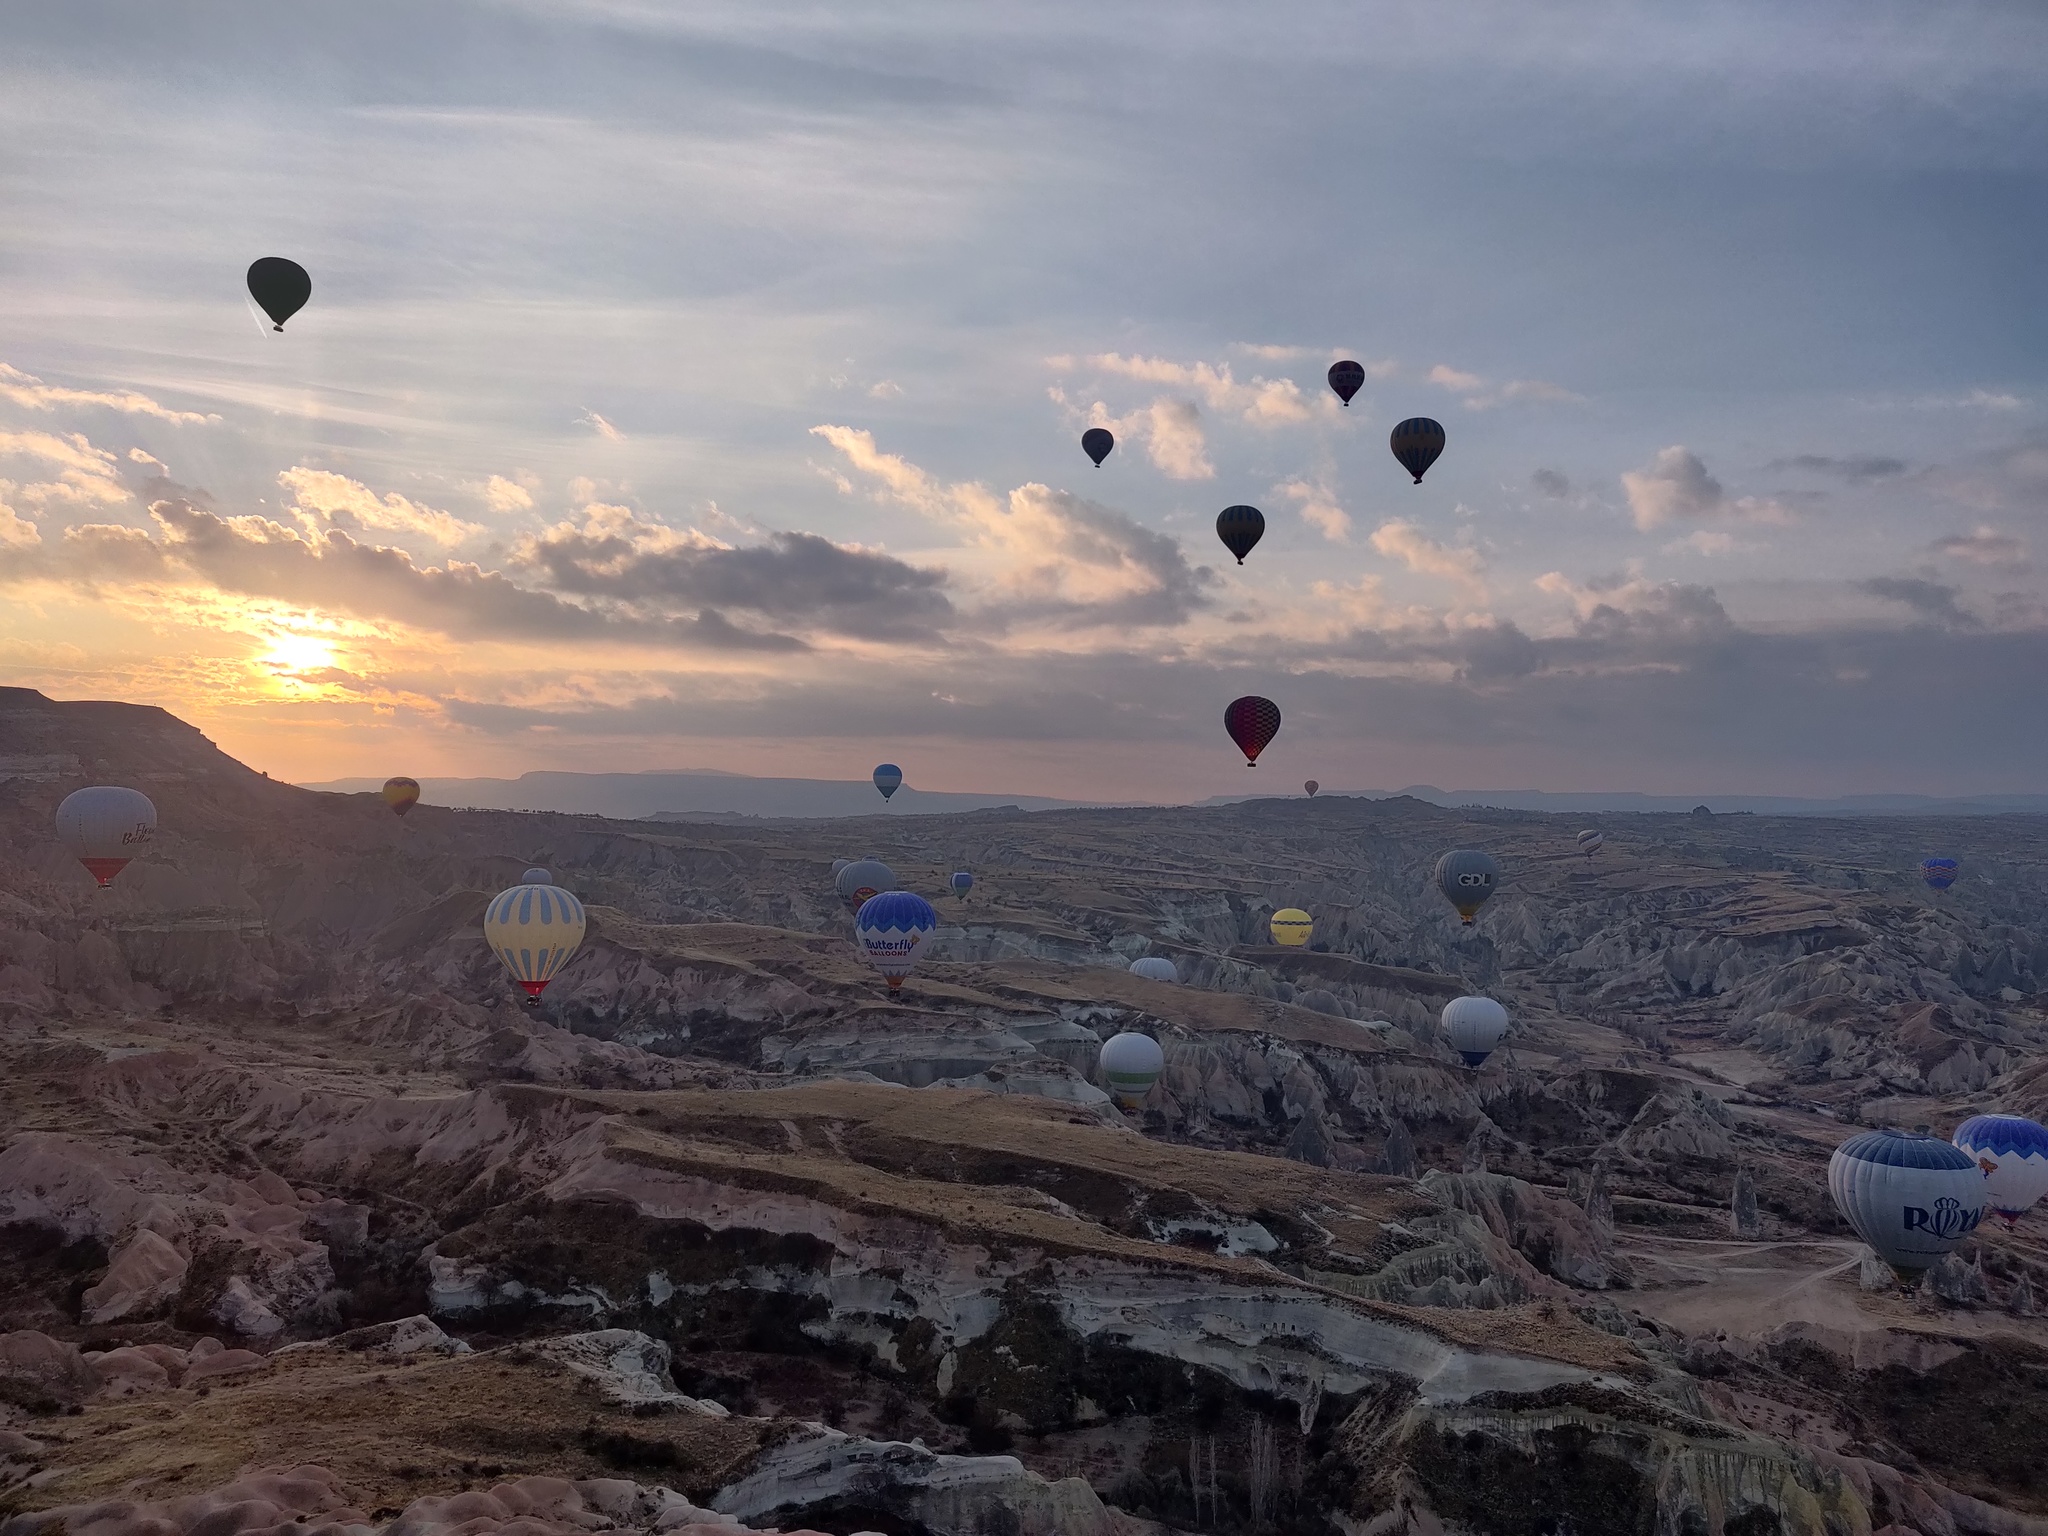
{"x":322,"y":498}
{"x":25,"y":389}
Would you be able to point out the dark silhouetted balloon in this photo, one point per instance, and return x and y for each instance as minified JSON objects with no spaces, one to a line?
{"x":1346,"y":378}
{"x":888,"y":779}
{"x":401,"y":794}
{"x":280,"y":286}
{"x":1252,"y":722}
{"x":1240,"y":528}
{"x":1311,"y":786}
{"x":1096,"y":443}
{"x":1416,"y":443}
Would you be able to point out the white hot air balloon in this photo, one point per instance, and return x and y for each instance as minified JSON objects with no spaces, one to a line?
{"x":536,"y":876}
{"x":1590,"y":841}
{"x":893,"y":928}
{"x":1473,"y":1026}
{"x":2012,"y":1152}
{"x":1911,"y":1196}
{"x":105,"y":826}
{"x":862,"y":878}
{"x":1131,"y":1064}
{"x":1155,"y":968}
{"x":534,"y":927}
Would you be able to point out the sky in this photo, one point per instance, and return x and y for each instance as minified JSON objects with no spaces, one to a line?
{"x":700,"y":386}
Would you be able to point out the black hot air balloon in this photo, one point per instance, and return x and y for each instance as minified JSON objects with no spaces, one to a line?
{"x":1416,"y":443}
{"x":1346,"y":378}
{"x":1096,"y":443}
{"x":1240,"y":528}
{"x":280,"y":286}
{"x":1252,"y":722}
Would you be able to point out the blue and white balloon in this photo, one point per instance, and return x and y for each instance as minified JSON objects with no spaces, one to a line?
{"x":962,"y":882}
{"x":1473,"y":1026}
{"x":1911,"y":1196}
{"x":888,"y":779}
{"x":893,"y":929}
{"x":1155,"y":968}
{"x":2012,"y":1152}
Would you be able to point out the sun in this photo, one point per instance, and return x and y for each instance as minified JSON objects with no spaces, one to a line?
{"x":296,"y":654}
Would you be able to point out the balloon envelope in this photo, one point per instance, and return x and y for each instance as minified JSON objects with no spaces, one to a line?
{"x":1310,"y":787}
{"x":893,"y":928}
{"x":1467,"y":878}
{"x":1252,"y":723}
{"x":401,"y":794}
{"x":2012,"y":1152}
{"x":105,"y":826}
{"x":838,"y":865}
{"x":1240,"y":528}
{"x":1155,"y":968}
{"x":1589,"y":842}
{"x":1939,"y":873}
{"x":1473,"y":1026}
{"x":1291,"y":926}
{"x":1346,"y":378}
{"x":1131,"y":1064}
{"x":533,"y":928}
{"x":536,"y":876}
{"x":962,"y":882}
{"x":1096,"y":443}
{"x":280,"y":288}
{"x":888,"y":779}
{"x":1416,"y":443}
{"x":1912,"y":1197}
{"x":861,"y":879}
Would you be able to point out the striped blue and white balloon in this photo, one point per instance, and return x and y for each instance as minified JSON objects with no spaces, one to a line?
{"x":2012,"y":1153}
{"x":1909,"y":1195}
{"x":1155,"y":968}
{"x":534,"y":928}
{"x":893,"y":928}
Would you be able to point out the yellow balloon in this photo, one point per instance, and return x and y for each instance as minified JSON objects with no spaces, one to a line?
{"x":1291,"y":927}
{"x":534,"y":929}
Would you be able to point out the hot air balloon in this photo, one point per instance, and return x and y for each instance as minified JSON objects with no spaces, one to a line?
{"x":1346,"y":378}
{"x":962,"y":882}
{"x":1416,"y":443}
{"x":1252,"y":723}
{"x":1290,"y":926}
{"x":893,"y":928}
{"x":1589,"y":842}
{"x":1466,"y":878}
{"x":1473,"y":1026}
{"x":534,"y":927}
{"x":2012,"y":1151}
{"x":838,"y":865}
{"x":401,"y":794}
{"x":1309,"y":787}
{"x":1240,"y":528}
{"x":863,"y":878}
{"x":280,"y":288}
{"x":105,"y":826}
{"x":1939,"y":873}
{"x":1911,"y":1196}
{"x":888,"y":779}
{"x":1096,"y":443}
{"x":1155,"y":968}
{"x":1131,"y":1064}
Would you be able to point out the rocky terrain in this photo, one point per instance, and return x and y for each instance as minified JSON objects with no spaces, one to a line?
{"x":307,"y":1221}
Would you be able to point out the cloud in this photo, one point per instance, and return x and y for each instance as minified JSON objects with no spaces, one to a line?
{"x":25,"y":389}
{"x":1319,"y":509}
{"x":16,"y":531}
{"x":1174,"y":440}
{"x":1856,"y":469}
{"x":1261,"y":403}
{"x":1675,"y":487}
{"x":321,"y":497}
{"x":1059,"y":554}
{"x":1551,"y":483}
{"x":1404,"y":541}
{"x":798,"y":580}
{"x":886,"y":389}
{"x":1930,"y":599}
{"x":1984,"y":546}
{"x":1479,"y":396}
{"x":327,"y":569}
{"x":1620,"y":612}
{"x":600,"y":426}
{"x":507,"y":495}
{"x":86,"y":476}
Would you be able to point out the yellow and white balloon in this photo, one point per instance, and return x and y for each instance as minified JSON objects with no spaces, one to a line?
{"x":534,"y":928}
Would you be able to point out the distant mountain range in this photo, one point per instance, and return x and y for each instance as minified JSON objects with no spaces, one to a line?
{"x":703,"y":794}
